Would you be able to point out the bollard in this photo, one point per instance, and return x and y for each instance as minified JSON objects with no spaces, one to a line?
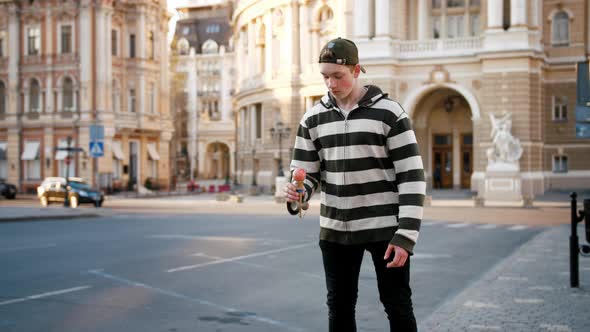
{"x":575,"y":248}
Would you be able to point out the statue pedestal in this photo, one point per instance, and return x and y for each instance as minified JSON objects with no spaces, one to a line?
{"x":502,"y":182}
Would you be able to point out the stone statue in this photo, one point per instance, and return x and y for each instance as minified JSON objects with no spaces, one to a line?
{"x":506,"y":149}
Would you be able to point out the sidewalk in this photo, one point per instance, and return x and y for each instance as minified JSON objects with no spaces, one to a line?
{"x":527,"y":291}
{"x":14,"y":213}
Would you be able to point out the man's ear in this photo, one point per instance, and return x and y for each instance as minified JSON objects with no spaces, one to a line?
{"x":357,"y":70}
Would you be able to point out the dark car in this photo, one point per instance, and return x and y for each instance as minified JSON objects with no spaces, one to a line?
{"x":53,"y":189}
{"x":7,"y":190}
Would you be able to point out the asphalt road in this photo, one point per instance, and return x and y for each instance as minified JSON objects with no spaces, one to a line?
{"x":179,"y":272}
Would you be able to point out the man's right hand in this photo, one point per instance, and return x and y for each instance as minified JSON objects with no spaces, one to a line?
{"x":290,"y":193}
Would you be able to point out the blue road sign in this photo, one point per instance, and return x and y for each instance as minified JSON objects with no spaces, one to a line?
{"x":96,"y":149}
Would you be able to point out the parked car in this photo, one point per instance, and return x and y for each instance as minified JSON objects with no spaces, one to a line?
{"x":53,"y":189}
{"x":7,"y":190}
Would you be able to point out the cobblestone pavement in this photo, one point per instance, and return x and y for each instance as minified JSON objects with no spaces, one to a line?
{"x":527,"y":291}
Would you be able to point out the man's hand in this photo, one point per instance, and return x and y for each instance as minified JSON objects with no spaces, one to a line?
{"x":399,"y":258}
{"x":290,"y":193}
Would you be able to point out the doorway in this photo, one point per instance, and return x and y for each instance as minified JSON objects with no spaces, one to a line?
{"x":442,"y":161}
{"x":466,"y":160}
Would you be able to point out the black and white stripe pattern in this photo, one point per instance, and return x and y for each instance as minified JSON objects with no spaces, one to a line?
{"x":369,"y":168}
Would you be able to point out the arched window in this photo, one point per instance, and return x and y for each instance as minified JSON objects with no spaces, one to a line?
{"x":34,"y":96}
{"x":183,"y":46}
{"x":68,"y":94}
{"x":2,"y":98}
{"x":210,"y":47}
{"x":560,"y":29}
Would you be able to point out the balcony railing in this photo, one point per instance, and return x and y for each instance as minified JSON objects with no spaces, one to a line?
{"x":410,"y":49}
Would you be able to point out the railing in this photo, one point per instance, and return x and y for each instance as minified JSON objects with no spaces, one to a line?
{"x":438,"y":47}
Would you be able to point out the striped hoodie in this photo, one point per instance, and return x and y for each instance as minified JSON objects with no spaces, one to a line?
{"x":369,"y":168}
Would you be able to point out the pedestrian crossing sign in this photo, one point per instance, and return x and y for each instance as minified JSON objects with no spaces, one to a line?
{"x":96,"y":149}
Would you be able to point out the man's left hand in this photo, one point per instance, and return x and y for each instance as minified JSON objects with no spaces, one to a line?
{"x":399,"y":258}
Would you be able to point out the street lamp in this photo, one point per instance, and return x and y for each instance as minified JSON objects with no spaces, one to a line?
{"x":279,"y":131}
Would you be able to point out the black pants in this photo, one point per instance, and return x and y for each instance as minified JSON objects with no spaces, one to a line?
{"x":342,"y":264}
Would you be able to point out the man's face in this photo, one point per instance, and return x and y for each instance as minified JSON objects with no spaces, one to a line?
{"x":339,"y":79}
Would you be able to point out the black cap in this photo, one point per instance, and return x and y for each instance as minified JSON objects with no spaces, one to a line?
{"x":341,"y":52}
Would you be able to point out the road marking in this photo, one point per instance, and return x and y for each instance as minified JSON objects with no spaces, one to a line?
{"x":487,"y":226}
{"x":480,"y":305}
{"x":28,"y":247}
{"x":233,"y":259}
{"x":542,"y":288}
{"x":485,"y":327}
{"x":430,"y":256}
{"x":255,"y":317}
{"x":40,"y":296}
{"x":556,"y":327}
{"x":504,"y":278}
{"x":201,"y":237}
{"x":529,"y":301}
{"x":517,"y":228}
{"x":461,"y":225}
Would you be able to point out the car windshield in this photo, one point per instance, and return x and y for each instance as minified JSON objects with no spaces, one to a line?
{"x":80,"y":185}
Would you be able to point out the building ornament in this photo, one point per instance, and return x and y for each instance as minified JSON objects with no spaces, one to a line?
{"x":506,"y":148}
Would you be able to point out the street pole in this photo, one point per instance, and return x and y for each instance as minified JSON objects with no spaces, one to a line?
{"x":67,"y":162}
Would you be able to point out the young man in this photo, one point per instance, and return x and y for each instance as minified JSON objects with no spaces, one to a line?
{"x":360,"y":146}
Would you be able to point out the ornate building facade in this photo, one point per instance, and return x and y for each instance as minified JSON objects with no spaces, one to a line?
{"x":201,"y":72}
{"x":68,"y":65}
{"x":452,"y":64}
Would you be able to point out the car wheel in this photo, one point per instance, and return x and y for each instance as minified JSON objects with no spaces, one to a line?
{"x":11,"y":196}
{"x":74,"y":201}
{"x":44,"y":201}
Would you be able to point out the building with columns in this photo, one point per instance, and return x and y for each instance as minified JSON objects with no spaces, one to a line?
{"x":67,"y":65}
{"x":202,"y":87}
{"x":450,"y":63}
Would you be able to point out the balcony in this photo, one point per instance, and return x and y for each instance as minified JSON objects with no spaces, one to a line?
{"x":126,"y":120}
{"x":252,"y":82}
{"x":421,"y":49}
{"x":66,"y":58}
{"x":149,"y":121}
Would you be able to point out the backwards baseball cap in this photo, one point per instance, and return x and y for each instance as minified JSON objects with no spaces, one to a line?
{"x":341,"y":52}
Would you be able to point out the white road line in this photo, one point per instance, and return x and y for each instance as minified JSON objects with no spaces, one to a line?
{"x":461,"y":225}
{"x":40,"y":296}
{"x":255,"y":317}
{"x":233,"y":259}
{"x":480,"y":305}
{"x":507,"y":278}
{"x":27,"y":247}
{"x":518,"y":228}
{"x":488,"y":226}
{"x":529,"y":301}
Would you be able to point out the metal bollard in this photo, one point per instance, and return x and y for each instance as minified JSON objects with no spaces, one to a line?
{"x":575,"y":248}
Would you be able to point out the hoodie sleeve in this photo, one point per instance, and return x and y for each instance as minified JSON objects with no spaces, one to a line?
{"x":409,"y":172}
{"x":306,"y":156}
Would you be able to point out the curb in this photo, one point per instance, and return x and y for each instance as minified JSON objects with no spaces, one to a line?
{"x":48,"y":218}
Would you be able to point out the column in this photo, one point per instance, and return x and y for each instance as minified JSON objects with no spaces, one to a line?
{"x":13,"y":59}
{"x":383,"y":19}
{"x":140,"y":52}
{"x":518,"y":13}
{"x":268,"y":63}
{"x":495,"y":14}
{"x":423,"y":20}
{"x":193,"y":116}
{"x":295,"y":41}
{"x":362,"y":19}
{"x":85,"y":23}
{"x":252,"y":111}
{"x":304,"y":36}
{"x":49,"y":36}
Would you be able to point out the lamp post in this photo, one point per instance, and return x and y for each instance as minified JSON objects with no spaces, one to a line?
{"x":279,"y":131}
{"x":68,"y":159}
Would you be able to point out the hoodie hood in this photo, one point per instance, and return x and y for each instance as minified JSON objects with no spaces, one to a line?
{"x":373,"y":95}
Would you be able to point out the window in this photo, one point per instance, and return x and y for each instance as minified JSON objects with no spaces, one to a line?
{"x":116,"y":168}
{"x":559,"y":108}
{"x":34,"y":96}
{"x":475,"y":25}
{"x":32,"y":160}
{"x":560,"y":29}
{"x":455,"y":3}
{"x":132,"y":46}
{"x":66,"y":39}
{"x":68,"y":94}
{"x":33,"y":40}
{"x":2,"y":98}
{"x":436,"y":33}
{"x":150,"y":45}
{"x":436,"y":4}
{"x":560,"y":164}
{"x":258,"y":121}
{"x":2,"y":39}
{"x":455,"y":26}
{"x":209,"y":46}
{"x":3,"y":161}
{"x":213,"y":28}
{"x":114,"y":41}
{"x":132,"y":100}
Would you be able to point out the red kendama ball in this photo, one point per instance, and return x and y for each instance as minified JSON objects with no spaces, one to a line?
{"x":299,"y":174}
